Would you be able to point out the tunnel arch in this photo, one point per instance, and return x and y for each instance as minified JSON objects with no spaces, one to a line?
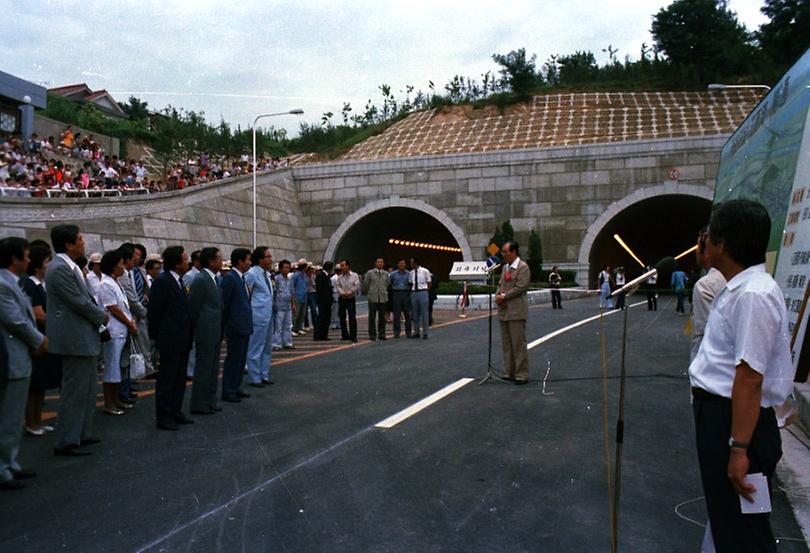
{"x":680,"y":207}
{"x":395,"y":208}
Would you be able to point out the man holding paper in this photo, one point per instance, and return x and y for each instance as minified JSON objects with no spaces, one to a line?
{"x":741,"y":372}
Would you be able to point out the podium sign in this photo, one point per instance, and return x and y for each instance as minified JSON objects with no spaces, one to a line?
{"x":469,"y":270}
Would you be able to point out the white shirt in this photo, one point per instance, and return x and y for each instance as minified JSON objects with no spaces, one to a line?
{"x":514,"y":264}
{"x":706,"y":289}
{"x":69,"y":261}
{"x":110,"y":293}
{"x":93,"y":282}
{"x":177,"y":278}
{"x":211,"y":274}
{"x":334,"y":280}
{"x":748,"y":322}
{"x":422,"y":279}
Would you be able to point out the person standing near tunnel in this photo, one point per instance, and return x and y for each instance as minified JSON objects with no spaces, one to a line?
{"x":375,"y":288}
{"x":419,"y":282}
{"x":348,"y":285}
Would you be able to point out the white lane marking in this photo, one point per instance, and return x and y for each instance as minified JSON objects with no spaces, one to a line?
{"x":394,"y":420}
{"x":565,"y":329}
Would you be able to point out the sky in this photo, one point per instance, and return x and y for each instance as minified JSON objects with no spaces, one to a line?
{"x":235,"y":60}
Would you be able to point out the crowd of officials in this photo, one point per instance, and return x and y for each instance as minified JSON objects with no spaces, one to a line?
{"x":67,"y":317}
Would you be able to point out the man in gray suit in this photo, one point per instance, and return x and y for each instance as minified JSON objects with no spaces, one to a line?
{"x":74,"y":323}
{"x":193,"y":270}
{"x":205,"y":308}
{"x":138,"y":311}
{"x":141,"y":284}
{"x":513,"y":311}
{"x":21,"y":338}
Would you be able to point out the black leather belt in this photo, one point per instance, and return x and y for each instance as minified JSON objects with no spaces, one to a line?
{"x":700,"y":393}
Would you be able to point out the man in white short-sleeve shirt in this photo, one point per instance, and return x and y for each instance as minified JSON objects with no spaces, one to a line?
{"x":742,"y":370}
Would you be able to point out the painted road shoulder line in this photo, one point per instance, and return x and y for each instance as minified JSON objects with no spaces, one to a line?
{"x":577,"y":324}
{"x":397,"y":418}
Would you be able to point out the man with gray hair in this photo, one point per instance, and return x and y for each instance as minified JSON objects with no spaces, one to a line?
{"x":375,"y":287}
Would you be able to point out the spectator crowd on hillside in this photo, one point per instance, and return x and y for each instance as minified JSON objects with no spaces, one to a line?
{"x":69,"y":319}
{"x":76,"y":165}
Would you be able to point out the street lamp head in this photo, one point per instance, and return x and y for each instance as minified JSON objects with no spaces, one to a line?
{"x":296,"y":111}
{"x":720,"y":87}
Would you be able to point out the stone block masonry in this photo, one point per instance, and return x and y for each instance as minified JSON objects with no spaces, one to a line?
{"x":568,"y":194}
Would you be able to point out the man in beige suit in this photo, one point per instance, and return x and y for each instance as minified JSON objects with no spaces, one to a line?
{"x":513,"y":310}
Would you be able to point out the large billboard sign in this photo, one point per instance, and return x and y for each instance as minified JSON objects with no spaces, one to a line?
{"x":759,"y":160}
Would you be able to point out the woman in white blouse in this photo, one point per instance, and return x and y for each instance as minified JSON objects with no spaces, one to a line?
{"x":120,"y":325}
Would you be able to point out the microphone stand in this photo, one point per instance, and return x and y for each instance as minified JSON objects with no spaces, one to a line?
{"x":628,"y":289}
{"x":490,"y":376}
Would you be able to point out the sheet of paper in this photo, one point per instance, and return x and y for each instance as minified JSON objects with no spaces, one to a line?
{"x":761,"y":497}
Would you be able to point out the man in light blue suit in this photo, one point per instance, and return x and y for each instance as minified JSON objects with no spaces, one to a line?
{"x":260,"y":348}
{"x":21,"y":338}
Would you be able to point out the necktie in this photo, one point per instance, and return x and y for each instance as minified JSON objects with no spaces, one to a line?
{"x":267,"y":281}
{"x":137,"y":277}
{"x":414,"y":280}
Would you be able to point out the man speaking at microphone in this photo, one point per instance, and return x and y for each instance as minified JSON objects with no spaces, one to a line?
{"x":513,"y":311}
{"x":741,"y":372}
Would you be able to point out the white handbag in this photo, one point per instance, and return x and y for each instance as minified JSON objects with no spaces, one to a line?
{"x":137,"y":365}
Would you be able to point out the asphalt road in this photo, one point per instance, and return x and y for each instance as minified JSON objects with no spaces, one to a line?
{"x":300,"y":466}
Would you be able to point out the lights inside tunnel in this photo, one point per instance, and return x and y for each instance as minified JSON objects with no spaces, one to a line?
{"x":423,"y":245}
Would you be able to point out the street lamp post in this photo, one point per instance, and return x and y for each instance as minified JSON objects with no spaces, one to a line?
{"x":291,"y":112}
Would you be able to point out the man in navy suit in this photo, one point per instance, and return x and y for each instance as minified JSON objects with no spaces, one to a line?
{"x":170,"y":327}
{"x":237,"y":319}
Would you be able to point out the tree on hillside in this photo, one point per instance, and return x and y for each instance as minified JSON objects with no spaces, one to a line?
{"x":535,"y":255}
{"x":579,"y":67}
{"x":703,"y":34}
{"x":787,"y":35}
{"x":136,"y":109}
{"x":518,"y":74}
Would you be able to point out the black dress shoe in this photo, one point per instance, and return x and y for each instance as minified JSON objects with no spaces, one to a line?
{"x":216,"y":408}
{"x":383,"y":338}
{"x":242,"y":394}
{"x":70,"y":451}
{"x":414,"y":336}
{"x":257,"y":384}
{"x":22,"y":474}
{"x":506,"y":377}
{"x":167,"y":426}
{"x":199,"y":412}
{"x":182,"y":419}
{"x":91,"y":441}
{"x":232,"y":399}
{"x":9,"y":485}
{"x":267,"y":382}
{"x":521,"y":381}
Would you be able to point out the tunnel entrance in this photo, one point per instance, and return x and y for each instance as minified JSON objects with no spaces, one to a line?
{"x":653,"y":228}
{"x":370,"y":238}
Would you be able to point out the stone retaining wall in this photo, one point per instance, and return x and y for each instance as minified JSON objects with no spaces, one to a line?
{"x":218,"y":214}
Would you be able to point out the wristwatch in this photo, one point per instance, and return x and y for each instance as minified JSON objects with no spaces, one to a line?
{"x":734,"y":443}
